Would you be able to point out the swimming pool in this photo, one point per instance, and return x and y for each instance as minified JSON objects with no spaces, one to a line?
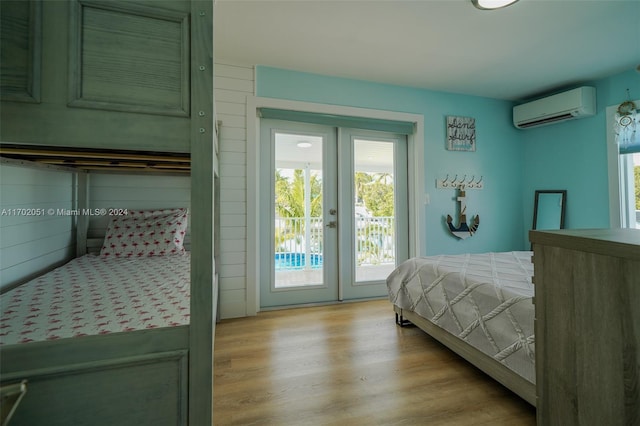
{"x":293,"y":261}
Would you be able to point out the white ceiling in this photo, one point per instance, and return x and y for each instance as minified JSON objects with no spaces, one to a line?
{"x":531,"y":47}
{"x":369,"y":155}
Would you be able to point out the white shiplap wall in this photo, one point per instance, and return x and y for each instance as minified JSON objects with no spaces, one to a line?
{"x":134,"y":191}
{"x":233,"y":83}
{"x":31,"y":245}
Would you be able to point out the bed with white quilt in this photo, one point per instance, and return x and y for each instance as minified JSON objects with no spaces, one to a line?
{"x":479,"y":305}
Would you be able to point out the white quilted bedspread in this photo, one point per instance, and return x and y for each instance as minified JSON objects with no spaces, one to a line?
{"x":93,"y":295}
{"x":484,"y":299}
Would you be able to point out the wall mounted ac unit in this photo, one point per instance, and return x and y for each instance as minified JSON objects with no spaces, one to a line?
{"x":569,"y":105}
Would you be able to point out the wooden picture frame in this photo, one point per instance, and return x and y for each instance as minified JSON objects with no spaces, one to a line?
{"x":461,"y":133}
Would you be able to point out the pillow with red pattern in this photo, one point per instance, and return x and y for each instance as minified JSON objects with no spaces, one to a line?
{"x":143,"y":233}
{"x":151,"y":213}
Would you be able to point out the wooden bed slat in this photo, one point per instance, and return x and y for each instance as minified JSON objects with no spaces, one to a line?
{"x":100,"y":160}
{"x":132,"y":169}
{"x":106,"y":165}
{"x":33,"y":152}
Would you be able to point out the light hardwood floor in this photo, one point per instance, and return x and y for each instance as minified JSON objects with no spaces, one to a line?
{"x":349,"y":364}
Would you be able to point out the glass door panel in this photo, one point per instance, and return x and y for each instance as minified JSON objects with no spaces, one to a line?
{"x":374,"y":221}
{"x":298,"y":223}
{"x":374,"y":210}
{"x":298,"y":250}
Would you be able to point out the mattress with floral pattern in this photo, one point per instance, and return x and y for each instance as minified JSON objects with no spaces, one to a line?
{"x":483,"y":299}
{"x":94,"y":295}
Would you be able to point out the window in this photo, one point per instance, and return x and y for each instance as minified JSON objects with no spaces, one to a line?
{"x":624,"y":170}
{"x":630,"y":190}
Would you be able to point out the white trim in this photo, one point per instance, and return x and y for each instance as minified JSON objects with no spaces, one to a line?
{"x":628,"y":209}
{"x":416,"y":189}
{"x":613,"y":162}
{"x":253,"y":202}
{"x":614,"y":170}
{"x":415,"y":173}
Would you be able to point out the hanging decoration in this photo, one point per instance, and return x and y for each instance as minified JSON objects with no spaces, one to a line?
{"x":626,"y":123}
{"x":464,"y":230}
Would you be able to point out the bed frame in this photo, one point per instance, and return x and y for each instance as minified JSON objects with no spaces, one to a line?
{"x":132,"y":378}
{"x":516,"y":383}
{"x":151,"y":377}
{"x":69,"y":380}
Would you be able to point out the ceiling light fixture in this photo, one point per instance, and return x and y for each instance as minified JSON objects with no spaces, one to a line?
{"x":303,"y":144}
{"x":492,"y":4}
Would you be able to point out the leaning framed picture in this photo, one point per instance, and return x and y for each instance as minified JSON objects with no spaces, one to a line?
{"x":461,"y":133}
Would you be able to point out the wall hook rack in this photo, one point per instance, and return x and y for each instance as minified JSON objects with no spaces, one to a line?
{"x":464,"y":183}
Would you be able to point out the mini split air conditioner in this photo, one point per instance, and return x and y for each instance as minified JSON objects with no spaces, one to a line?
{"x":569,"y":105}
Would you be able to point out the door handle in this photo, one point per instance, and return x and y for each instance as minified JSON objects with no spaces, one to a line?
{"x":332,"y":224}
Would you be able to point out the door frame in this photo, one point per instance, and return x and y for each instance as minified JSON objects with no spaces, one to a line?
{"x":416,"y":186}
{"x":346,"y":230}
{"x":328,"y":290}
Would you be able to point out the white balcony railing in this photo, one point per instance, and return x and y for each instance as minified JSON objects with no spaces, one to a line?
{"x":298,"y":239}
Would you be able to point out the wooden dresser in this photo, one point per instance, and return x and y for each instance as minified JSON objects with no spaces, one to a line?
{"x":587,"y":298}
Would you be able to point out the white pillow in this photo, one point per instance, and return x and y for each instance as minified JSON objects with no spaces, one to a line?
{"x":143,"y":233}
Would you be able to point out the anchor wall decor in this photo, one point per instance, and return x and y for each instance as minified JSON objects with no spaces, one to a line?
{"x":464,"y":230}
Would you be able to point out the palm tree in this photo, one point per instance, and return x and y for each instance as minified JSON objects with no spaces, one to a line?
{"x":290,"y":203}
{"x":375,"y":191}
{"x":290,"y":195}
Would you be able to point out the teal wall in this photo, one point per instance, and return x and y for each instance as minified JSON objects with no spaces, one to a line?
{"x":570,"y":155}
{"x":573,"y":156}
{"x":498,"y":158}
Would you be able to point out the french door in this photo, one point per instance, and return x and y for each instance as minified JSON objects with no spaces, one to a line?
{"x":334,"y":212}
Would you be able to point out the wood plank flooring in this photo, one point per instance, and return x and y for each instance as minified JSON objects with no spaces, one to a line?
{"x":349,"y":364}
